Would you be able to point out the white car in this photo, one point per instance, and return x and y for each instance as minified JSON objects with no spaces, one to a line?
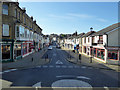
{"x":50,"y":48}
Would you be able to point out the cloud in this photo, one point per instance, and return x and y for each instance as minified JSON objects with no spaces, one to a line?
{"x":102,"y":20}
{"x":80,"y":15}
{"x":60,"y":16}
{"x":73,"y":16}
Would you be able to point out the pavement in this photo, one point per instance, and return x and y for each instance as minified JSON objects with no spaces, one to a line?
{"x":27,"y":62}
{"x":85,"y":60}
{"x":24,"y":63}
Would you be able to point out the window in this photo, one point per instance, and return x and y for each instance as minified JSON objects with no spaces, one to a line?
{"x":100,"y":41}
{"x":113,"y":55}
{"x":5,"y":30}
{"x":88,"y":39}
{"x":17,"y":31}
{"x":5,"y":9}
{"x":5,"y":52}
{"x":85,"y":40}
{"x":100,"y":53}
{"x":21,"y":31}
{"x":17,"y":50}
{"x":25,"y":33}
{"x":28,"y":32}
{"x":16,"y":13}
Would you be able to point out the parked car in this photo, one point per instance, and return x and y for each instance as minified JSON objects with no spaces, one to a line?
{"x":50,"y":48}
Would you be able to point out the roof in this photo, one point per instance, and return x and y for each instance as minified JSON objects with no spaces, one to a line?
{"x":107,"y":29}
{"x":89,"y":34}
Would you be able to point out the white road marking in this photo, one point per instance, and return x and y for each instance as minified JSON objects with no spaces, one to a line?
{"x":90,"y":68}
{"x":70,"y":66}
{"x":59,"y":62}
{"x":83,"y":77}
{"x":39,"y":66}
{"x":37,"y":84}
{"x":76,"y":66}
{"x":64,"y":76}
{"x":70,"y":83}
{"x":1,"y":72}
{"x":83,"y":67}
{"x":45,"y":66}
{"x":57,"y":66}
{"x":63,"y":66}
{"x":10,"y":70}
{"x":51,"y":66}
{"x":106,"y":88}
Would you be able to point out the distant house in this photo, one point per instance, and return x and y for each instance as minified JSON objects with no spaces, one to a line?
{"x":87,"y":42}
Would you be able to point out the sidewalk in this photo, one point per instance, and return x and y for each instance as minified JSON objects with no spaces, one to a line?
{"x":85,"y":60}
{"x":27,"y":62}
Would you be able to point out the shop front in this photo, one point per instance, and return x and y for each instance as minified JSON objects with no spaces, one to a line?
{"x":17,"y":50}
{"x":7,"y":50}
{"x":113,"y":55}
{"x":99,"y":53}
{"x":26,"y":48}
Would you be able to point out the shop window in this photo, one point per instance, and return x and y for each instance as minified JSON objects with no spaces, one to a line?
{"x":94,"y":51}
{"x":5,"y":9}
{"x":100,"y":54}
{"x":17,"y":50}
{"x":112,"y":55}
{"x":24,"y":48}
{"x":5,"y":30}
{"x":5,"y":51}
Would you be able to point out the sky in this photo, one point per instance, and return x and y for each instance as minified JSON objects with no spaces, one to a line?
{"x":68,"y":17}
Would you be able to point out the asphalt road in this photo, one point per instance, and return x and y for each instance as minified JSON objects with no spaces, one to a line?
{"x":61,"y":73}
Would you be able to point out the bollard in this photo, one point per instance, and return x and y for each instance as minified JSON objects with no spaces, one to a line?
{"x":80,"y":57}
{"x":32,"y":59}
{"x":91,"y":59}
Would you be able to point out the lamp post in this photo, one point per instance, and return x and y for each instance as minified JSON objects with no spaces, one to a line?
{"x":91,"y":54}
{"x":91,"y":48}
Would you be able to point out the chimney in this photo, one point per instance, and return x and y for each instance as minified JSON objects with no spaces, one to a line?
{"x":34,"y":21}
{"x":24,"y":9}
{"x":32,"y":17}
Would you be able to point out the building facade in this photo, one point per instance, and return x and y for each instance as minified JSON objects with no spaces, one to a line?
{"x":20,"y":34}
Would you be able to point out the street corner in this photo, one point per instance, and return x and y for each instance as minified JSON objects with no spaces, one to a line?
{"x":5,"y":83}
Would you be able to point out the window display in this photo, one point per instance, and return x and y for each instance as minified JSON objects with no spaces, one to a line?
{"x":6,"y":51}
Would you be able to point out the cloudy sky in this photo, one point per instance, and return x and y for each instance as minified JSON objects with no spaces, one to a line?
{"x":68,"y":17}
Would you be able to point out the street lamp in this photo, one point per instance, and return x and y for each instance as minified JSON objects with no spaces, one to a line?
{"x":91,"y":54}
{"x":91,"y":48}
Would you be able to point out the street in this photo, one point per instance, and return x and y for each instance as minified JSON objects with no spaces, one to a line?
{"x":61,"y":73}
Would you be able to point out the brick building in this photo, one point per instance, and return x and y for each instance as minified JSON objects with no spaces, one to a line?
{"x":20,"y":34}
